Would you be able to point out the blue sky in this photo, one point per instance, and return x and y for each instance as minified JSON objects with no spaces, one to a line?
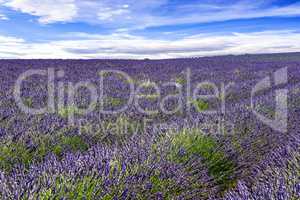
{"x":147,"y":28}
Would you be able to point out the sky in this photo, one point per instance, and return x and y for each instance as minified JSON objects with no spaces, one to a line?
{"x":138,"y":29}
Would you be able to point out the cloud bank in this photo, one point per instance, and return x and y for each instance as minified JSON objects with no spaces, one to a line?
{"x":128,"y":46}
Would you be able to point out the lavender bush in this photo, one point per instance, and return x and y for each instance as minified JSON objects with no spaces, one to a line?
{"x":186,"y":154}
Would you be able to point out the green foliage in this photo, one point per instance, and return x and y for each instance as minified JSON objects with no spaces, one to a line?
{"x":113,"y":101}
{"x":44,"y":145}
{"x":200,"y":105}
{"x":180,"y":80}
{"x":86,"y":188}
{"x":149,"y":96}
{"x":128,"y":125}
{"x":65,"y":112}
{"x":57,"y":150}
{"x":47,"y":195}
{"x":89,"y":188}
{"x":74,"y":143}
{"x":28,"y":102}
{"x":216,"y":161}
{"x":108,"y":197}
{"x":168,"y":187}
{"x":58,"y":144}
{"x":12,"y":154}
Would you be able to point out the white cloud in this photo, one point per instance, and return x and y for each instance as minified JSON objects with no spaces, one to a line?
{"x":3,"y":17}
{"x":210,"y":13}
{"x":11,"y":47}
{"x":109,"y":13}
{"x":7,"y":40}
{"x":48,"y":11}
{"x":132,"y":14}
{"x":128,"y":46}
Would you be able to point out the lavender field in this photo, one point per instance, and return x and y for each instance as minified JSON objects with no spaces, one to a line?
{"x":224,"y":127}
